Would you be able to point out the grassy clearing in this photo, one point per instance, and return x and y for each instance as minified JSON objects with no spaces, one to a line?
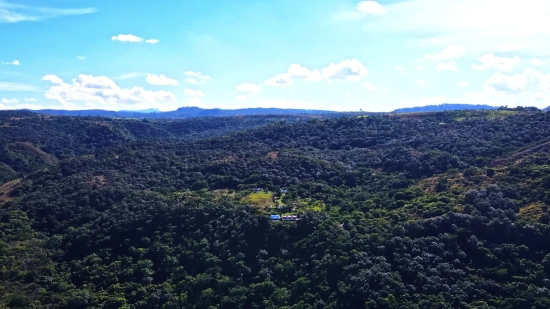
{"x":531,"y":213}
{"x":262,"y":199}
{"x":6,"y":189}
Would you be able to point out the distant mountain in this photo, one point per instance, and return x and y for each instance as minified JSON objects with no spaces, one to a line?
{"x":184,"y":112}
{"x":146,"y":111}
{"x":444,"y":107}
{"x":546,"y":109}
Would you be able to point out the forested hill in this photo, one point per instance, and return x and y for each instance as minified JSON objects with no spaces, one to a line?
{"x":424,"y":210}
{"x":184,"y":112}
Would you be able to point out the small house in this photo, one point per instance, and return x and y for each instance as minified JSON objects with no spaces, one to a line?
{"x":290,"y":218}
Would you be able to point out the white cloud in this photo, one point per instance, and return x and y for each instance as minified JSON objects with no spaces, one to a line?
{"x":537,"y":62}
{"x":14,"y":62}
{"x":483,"y":26}
{"x":248,"y":90}
{"x":128,"y":76}
{"x":194,"y":81}
{"x":193,"y":93}
{"x":433,"y":100}
{"x":500,"y":63}
{"x":30,"y":99}
{"x":447,"y":66}
{"x":347,"y":70}
{"x":198,"y":75}
{"x":462,"y":84}
{"x":530,"y":80}
{"x":372,"y":7}
{"x":52,"y":79}
{"x":152,"y":41}
{"x":370,"y":87}
{"x":161,"y":80}
{"x":9,"y":101}
{"x":399,"y":68}
{"x":9,"y":86}
{"x":80,"y":57}
{"x":422,"y":82}
{"x":198,"y":78}
{"x":103,"y":90}
{"x":13,"y":13}
{"x":284,"y":104}
{"x":279,"y":80}
{"x":295,"y":72}
{"x":451,"y":52}
{"x":127,"y":38}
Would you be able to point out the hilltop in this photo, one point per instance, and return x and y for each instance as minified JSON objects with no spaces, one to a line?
{"x":416,"y":210}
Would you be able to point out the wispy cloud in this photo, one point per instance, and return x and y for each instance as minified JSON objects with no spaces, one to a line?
{"x":14,"y":13}
{"x":152,"y":41}
{"x":133,"y":39}
{"x":161,"y":80}
{"x":9,"y":86}
{"x":128,"y":76}
{"x":127,"y":38}
{"x":14,"y":62}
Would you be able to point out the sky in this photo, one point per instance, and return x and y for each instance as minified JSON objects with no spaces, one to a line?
{"x":332,"y":54}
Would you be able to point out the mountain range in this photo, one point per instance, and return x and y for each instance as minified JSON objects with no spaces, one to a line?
{"x":195,"y":112}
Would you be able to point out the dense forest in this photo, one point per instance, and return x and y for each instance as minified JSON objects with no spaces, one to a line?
{"x":418,"y":210}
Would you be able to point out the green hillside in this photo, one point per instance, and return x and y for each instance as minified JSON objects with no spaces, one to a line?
{"x":419,"y":210}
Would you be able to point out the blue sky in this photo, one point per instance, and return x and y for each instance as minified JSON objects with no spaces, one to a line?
{"x":331,"y":54}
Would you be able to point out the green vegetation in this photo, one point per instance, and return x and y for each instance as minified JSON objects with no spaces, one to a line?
{"x":396,"y":211}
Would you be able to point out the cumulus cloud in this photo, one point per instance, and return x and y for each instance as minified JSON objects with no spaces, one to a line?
{"x":451,"y":52}
{"x":52,"y":79}
{"x":462,"y":84}
{"x":152,"y":41}
{"x":161,"y":80}
{"x":80,"y":57}
{"x":248,"y":90}
{"x":9,"y":101}
{"x":483,"y":26}
{"x":494,"y":62}
{"x":422,"y":82}
{"x":537,"y":62}
{"x":447,"y":66}
{"x":530,"y":80}
{"x":127,"y":38}
{"x":295,"y":72}
{"x":371,"y":7}
{"x":193,"y":93}
{"x":347,"y":70}
{"x":14,"y":62}
{"x":198,"y":78}
{"x":103,"y":90}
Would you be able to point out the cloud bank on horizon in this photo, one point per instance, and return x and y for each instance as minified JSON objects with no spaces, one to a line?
{"x":369,"y":55}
